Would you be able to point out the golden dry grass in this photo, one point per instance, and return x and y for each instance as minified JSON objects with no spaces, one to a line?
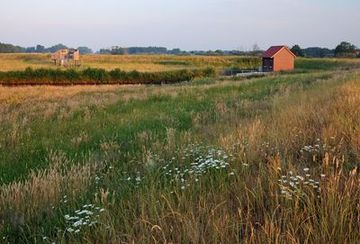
{"x":34,"y":101}
{"x":9,"y":95}
{"x":142,"y":63}
{"x":43,"y":189}
{"x":252,"y":207}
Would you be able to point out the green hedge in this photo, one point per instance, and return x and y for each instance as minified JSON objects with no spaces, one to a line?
{"x":98,"y":76}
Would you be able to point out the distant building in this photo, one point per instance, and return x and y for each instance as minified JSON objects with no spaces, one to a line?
{"x":278,"y":58}
{"x":66,"y":57}
{"x":357,"y":53}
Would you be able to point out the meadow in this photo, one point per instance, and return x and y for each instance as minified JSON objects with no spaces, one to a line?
{"x":140,"y":63}
{"x":38,"y":69}
{"x":263,"y":160}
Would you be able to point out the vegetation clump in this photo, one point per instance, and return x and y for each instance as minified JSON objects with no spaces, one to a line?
{"x":99,"y":76}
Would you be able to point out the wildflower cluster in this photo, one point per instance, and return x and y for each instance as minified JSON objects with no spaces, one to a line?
{"x":297,"y":185}
{"x":316,"y":148}
{"x":87,"y":216}
{"x":198,"y":160}
{"x":190,"y":164}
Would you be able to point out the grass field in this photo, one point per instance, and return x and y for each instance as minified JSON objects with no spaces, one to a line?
{"x":37,"y":69}
{"x":141,"y":63}
{"x":265,"y":160}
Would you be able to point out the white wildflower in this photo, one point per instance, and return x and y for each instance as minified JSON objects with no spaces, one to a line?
{"x":300,"y":177}
{"x":70,"y":230}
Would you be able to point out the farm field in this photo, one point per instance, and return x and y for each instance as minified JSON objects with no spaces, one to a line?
{"x":37,"y":69}
{"x":131,"y":70}
{"x":263,"y":160}
{"x":158,"y":63}
{"x":141,"y":63}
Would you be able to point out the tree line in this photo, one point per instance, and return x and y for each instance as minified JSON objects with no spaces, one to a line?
{"x":344,"y":49}
{"x":9,"y":48}
{"x":140,"y":50}
{"x":176,"y":51}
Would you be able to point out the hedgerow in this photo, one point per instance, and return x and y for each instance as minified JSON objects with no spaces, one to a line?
{"x":42,"y":76}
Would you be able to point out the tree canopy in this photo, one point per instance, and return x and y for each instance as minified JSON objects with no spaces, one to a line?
{"x":85,"y":50}
{"x":296,"y":49}
{"x":9,"y":48}
{"x":345,"y":49}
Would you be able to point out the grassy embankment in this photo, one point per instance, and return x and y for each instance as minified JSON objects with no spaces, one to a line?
{"x":268,"y":160}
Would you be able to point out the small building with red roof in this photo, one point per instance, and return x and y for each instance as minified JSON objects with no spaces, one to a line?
{"x":357,"y":53}
{"x":278,"y":58}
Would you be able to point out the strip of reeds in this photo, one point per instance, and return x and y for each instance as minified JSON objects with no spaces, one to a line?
{"x":94,"y":76}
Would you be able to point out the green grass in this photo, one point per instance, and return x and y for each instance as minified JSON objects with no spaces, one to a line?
{"x":127,"y":120}
{"x":326,"y":64}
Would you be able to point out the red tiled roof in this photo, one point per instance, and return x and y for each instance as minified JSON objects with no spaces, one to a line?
{"x":272,"y":51}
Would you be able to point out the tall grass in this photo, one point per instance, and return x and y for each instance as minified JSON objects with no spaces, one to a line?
{"x":268,"y":160}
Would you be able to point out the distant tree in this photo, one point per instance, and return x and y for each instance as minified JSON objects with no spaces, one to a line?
{"x":8,"y":48}
{"x":146,"y":50}
{"x":209,"y":53}
{"x":175,"y":51}
{"x":105,"y":51}
{"x":235,"y":52}
{"x":55,"y":48}
{"x":219,"y":52}
{"x":85,"y":50}
{"x":30,"y":49}
{"x":40,"y":49}
{"x":345,"y":49}
{"x":296,"y":49}
{"x":318,"y":52}
{"x":118,"y":51}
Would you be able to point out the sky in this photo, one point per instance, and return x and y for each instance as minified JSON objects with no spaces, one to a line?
{"x":185,"y":24}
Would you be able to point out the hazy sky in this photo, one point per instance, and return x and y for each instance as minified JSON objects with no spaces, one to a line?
{"x":187,"y":24}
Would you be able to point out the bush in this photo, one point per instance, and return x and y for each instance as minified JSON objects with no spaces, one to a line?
{"x":97,"y":75}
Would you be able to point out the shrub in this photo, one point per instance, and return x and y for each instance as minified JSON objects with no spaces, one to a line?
{"x":97,"y":75}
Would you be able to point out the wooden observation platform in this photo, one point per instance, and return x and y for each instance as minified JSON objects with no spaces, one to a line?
{"x":66,"y":57}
